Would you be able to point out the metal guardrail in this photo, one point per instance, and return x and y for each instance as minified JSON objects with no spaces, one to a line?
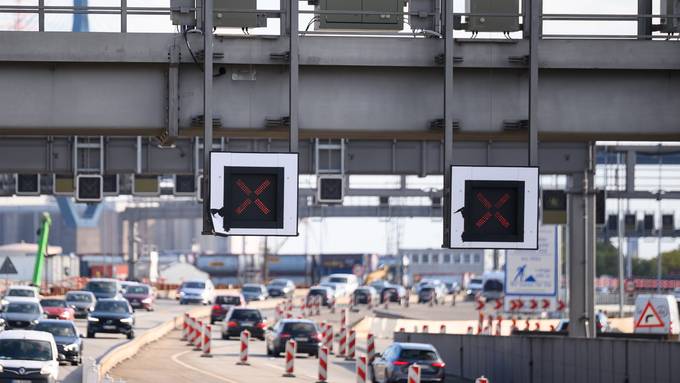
{"x":124,"y":11}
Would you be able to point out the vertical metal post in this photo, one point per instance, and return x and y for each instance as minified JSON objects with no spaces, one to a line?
{"x":619,"y":234}
{"x":132,"y":249}
{"x":294,"y":75}
{"x":207,"y":110}
{"x":658,"y":232}
{"x":284,"y":17}
{"x":41,"y":15}
{"x":526,"y":19}
{"x":123,"y":16}
{"x":533,"y":81}
{"x":644,"y":24}
{"x":447,"y":18}
{"x":590,"y":229}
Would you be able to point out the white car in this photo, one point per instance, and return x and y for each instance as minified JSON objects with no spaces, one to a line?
{"x":29,"y":356}
{"x":197,"y":291}
{"x":347,"y":282}
{"x":17,"y":292}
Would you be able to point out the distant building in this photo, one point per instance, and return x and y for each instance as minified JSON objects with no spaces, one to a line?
{"x":179,"y":272}
{"x":448,"y":265}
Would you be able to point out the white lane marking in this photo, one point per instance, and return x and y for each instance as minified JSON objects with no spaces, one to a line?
{"x":175,"y":358}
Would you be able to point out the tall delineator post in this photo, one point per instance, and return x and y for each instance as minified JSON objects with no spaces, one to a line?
{"x":581,"y":226}
{"x":447,"y":20}
{"x":207,"y":110}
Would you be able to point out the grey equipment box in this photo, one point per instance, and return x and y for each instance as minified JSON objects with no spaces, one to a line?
{"x":357,"y":21}
{"x":183,"y":12}
{"x":670,"y":8}
{"x":223,"y":18}
{"x":422,"y":20}
{"x":490,"y":23}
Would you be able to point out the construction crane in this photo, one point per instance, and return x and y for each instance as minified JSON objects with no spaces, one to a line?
{"x":43,"y":234}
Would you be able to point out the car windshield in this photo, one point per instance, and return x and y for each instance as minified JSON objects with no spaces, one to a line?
{"x":246,"y":315}
{"x":101,"y":287}
{"x":137,"y":290}
{"x":279,"y":282}
{"x":25,"y":349}
{"x":337,"y":279}
{"x":297,"y":328}
{"x":79,"y":297}
{"x":363,"y":291}
{"x":252,"y":289}
{"x":226,"y":300}
{"x":20,"y":293}
{"x":317,"y":292}
{"x":112,"y":306}
{"x":493,"y":285}
{"x":193,"y":285}
{"x":23,"y":308}
{"x":52,"y":303}
{"x":329,"y":285}
{"x":475,"y":281}
{"x":410,"y":354}
{"x":57,"y":329}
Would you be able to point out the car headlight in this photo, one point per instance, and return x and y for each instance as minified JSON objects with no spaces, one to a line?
{"x":92,"y":319}
{"x":146,"y":300}
{"x":182,"y":293}
{"x":4,"y":302}
{"x":45,"y":370}
{"x":71,"y":347}
{"x":126,"y":320}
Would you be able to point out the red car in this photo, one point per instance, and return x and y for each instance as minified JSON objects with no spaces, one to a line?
{"x":140,"y":296}
{"x":57,"y":309}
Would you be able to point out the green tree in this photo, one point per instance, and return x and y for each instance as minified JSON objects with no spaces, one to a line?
{"x":606,"y":259}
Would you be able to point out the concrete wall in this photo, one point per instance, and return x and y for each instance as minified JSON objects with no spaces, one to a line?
{"x":554,"y":359}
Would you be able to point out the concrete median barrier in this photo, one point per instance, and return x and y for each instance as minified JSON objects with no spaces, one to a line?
{"x":95,"y":371}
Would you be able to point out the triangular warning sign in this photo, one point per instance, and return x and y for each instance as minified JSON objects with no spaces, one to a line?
{"x":649,"y":318}
{"x":8,"y":267}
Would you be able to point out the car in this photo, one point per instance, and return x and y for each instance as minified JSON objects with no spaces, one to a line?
{"x":69,"y":342}
{"x":244,"y":318}
{"x":254,"y":292}
{"x":492,"y":290}
{"x":57,"y":309}
{"x":379,"y":284}
{"x":82,"y":302}
{"x":222,"y":305}
{"x":431,"y":293}
{"x":28,"y":355}
{"x":140,"y":296}
{"x":338,"y":290}
{"x":602,"y":324}
{"x":281,"y":288}
{"x":349,"y":282}
{"x":19,"y":292}
{"x":197,"y":291}
{"x":474,"y":287}
{"x":394,"y":293}
{"x":452,"y":288}
{"x":22,"y":313}
{"x":326,"y":294}
{"x":365,"y":295}
{"x":111,"y":316}
{"x":125,"y":284}
{"x":104,"y":287}
{"x":304,"y":331}
{"x":393,"y":364}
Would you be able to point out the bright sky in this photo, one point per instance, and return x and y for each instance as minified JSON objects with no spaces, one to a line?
{"x":368,"y":235}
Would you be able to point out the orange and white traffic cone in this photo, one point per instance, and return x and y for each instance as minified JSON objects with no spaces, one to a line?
{"x":290,"y":359}
{"x":245,"y":342}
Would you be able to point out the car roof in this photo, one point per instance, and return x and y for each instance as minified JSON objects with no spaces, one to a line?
{"x":112,"y":300}
{"x":197,"y":280}
{"x":416,"y":346}
{"x":26,"y":334}
{"x":80,"y":292}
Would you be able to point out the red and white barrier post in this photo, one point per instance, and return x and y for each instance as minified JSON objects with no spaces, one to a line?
{"x":426,"y":329}
{"x":290,"y":359}
{"x":480,"y":323}
{"x":442,"y":329}
{"x":498,"y":325}
{"x":323,"y":364}
{"x":370,"y":347}
{"x":401,"y":329}
{"x":361,"y":369}
{"x":413,"y":373}
{"x":198,"y":336}
{"x":207,"y":339}
{"x":482,"y":379}
{"x":329,"y":337}
{"x":318,"y":305}
{"x":470,"y":330}
{"x":342,"y":343}
{"x":185,"y":327}
{"x":190,"y":331}
{"x":351,"y":345}
{"x":245,"y":342}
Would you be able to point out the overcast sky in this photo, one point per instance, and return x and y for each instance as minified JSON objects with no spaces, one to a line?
{"x":363,"y":235}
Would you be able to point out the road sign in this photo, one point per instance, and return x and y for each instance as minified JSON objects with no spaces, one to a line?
{"x":8,"y":267}
{"x":629,"y":286}
{"x":254,"y":193}
{"x":532,"y":276}
{"x":656,"y":314}
{"x":494,"y":207}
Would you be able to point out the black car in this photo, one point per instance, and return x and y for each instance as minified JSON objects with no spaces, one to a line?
{"x":281,"y":288}
{"x":392,"y":365}
{"x":22,"y":314}
{"x":111,"y":316}
{"x":326,"y":294}
{"x":241,"y":318}
{"x":393,"y":293}
{"x":69,"y":342}
{"x":305,"y":332}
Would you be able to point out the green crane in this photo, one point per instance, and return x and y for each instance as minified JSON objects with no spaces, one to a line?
{"x":43,"y":233}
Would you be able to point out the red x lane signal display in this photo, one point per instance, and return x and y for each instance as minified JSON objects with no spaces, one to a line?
{"x":253,"y":197}
{"x":494,"y":211}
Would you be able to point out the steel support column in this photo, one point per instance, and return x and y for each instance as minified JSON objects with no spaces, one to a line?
{"x":536,"y":7}
{"x":644,"y":24}
{"x":581,"y":220}
{"x":293,"y":96}
{"x":207,"y":110}
{"x":447,"y":18}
